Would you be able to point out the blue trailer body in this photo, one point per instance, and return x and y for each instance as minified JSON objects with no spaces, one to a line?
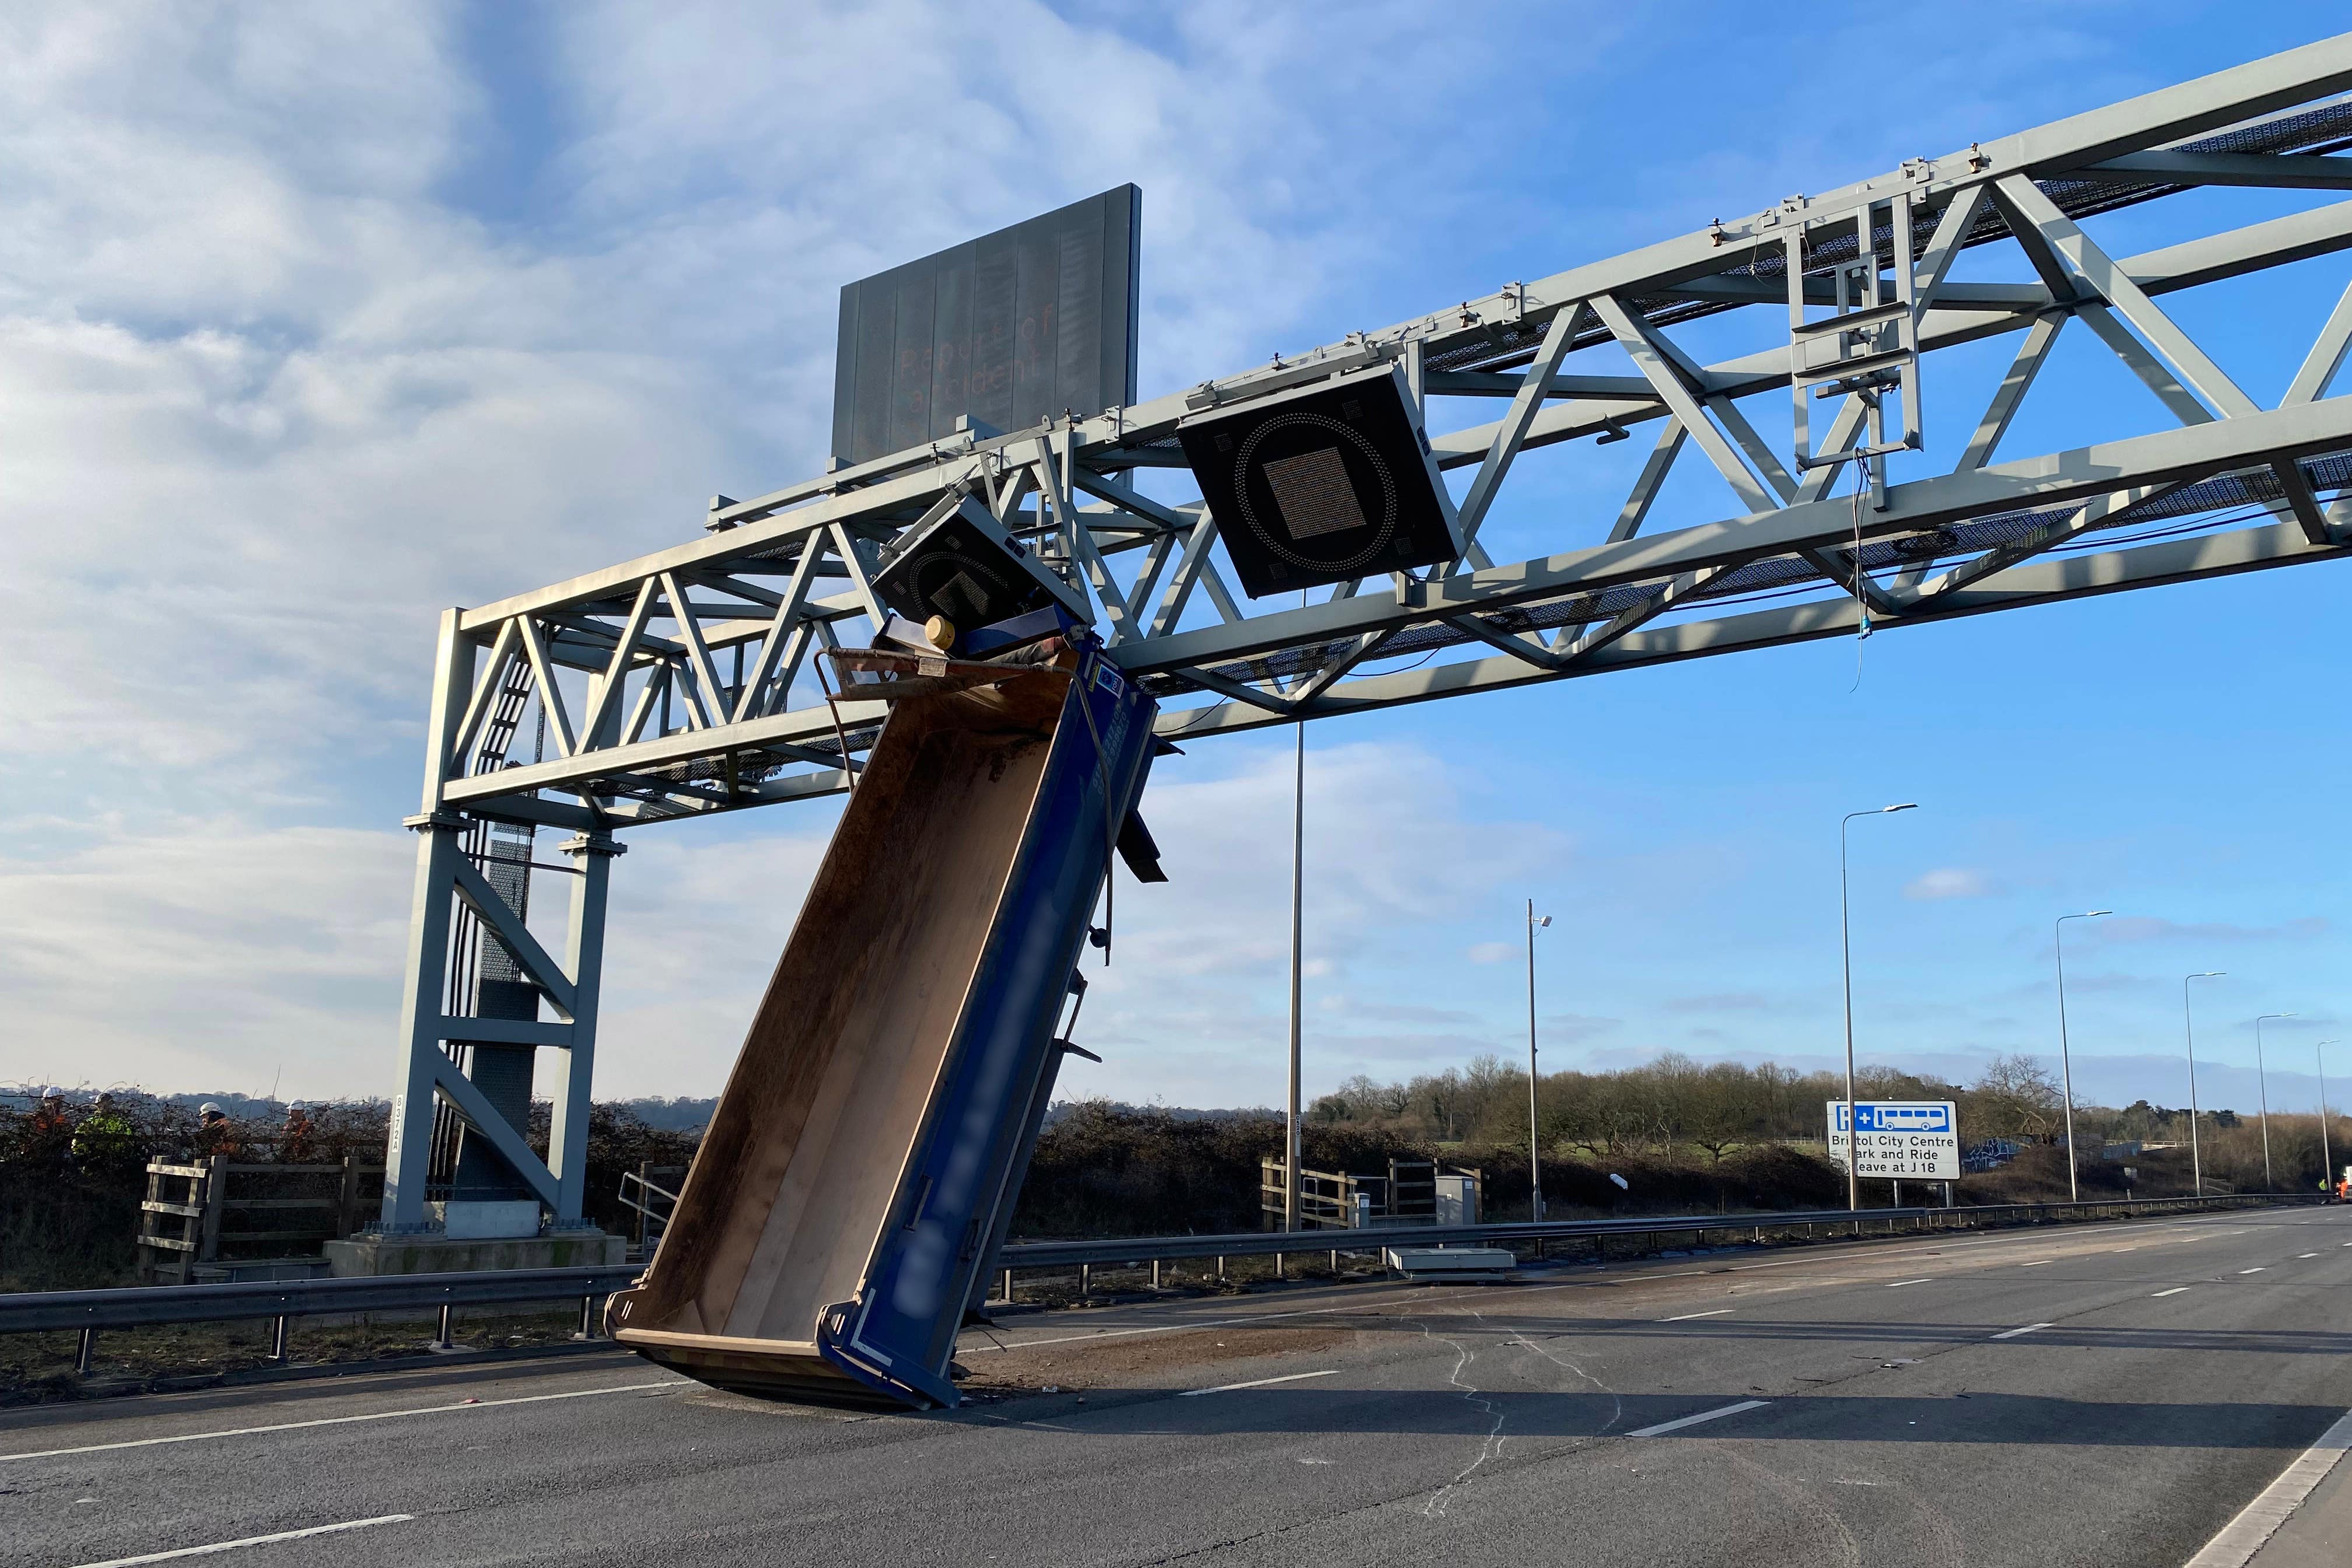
{"x":902,"y":1328}
{"x":923,"y":1204}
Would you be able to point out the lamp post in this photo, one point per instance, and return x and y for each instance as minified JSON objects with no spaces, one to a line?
{"x":1293,"y":1149}
{"x":2188,"y":1028}
{"x":2065,"y":1055}
{"x":1535,"y":1140}
{"x":2263,"y":1088}
{"x":2327,"y":1159}
{"x":1845,"y":944}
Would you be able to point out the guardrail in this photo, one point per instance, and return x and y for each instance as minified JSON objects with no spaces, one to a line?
{"x":88,"y":1312}
{"x":1137,"y":1252}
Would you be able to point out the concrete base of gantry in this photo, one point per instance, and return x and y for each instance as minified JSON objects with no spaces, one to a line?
{"x":367,"y":1255}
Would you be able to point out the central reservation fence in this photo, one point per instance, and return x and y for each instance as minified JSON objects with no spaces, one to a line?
{"x":87,"y":1312}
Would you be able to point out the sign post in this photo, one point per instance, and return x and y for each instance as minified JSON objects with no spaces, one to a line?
{"x":1897,"y":1139}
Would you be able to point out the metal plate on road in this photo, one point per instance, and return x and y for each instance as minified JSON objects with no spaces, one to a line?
{"x":1916,"y":1139}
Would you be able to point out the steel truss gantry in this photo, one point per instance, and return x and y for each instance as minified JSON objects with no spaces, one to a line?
{"x":680,"y":684}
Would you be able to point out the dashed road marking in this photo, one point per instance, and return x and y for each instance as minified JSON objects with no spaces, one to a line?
{"x":1258,"y":1383}
{"x":1898,"y":1284}
{"x":345,"y":1420}
{"x":2176,"y":1291}
{"x":2013,"y":1333}
{"x":1686,"y":1317}
{"x":1663,"y":1428}
{"x":2256,"y":1269}
{"x":251,"y":1540}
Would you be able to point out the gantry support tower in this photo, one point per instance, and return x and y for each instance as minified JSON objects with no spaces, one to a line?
{"x":679,"y":684}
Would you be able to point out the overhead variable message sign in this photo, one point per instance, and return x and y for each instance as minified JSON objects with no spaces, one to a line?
{"x":1900,"y":1138}
{"x":1032,"y":320}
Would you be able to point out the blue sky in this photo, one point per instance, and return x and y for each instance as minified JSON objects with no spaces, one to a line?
{"x":314,"y":322}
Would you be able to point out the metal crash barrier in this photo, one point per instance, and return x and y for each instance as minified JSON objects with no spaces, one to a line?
{"x":89,"y":1312}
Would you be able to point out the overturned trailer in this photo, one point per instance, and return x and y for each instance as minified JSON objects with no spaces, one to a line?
{"x":862,"y":1165}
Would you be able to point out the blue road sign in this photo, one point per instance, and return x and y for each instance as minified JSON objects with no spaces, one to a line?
{"x":1897,"y":1115}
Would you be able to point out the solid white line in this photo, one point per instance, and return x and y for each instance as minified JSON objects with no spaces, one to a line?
{"x":2176,"y":1291}
{"x":2260,"y":1520}
{"x":251,"y":1540}
{"x":1686,"y":1317}
{"x":1898,"y":1284}
{"x":344,"y":1420}
{"x":2255,"y":1270}
{"x":1260,"y":1382}
{"x":2013,"y":1333}
{"x":1663,"y":1428}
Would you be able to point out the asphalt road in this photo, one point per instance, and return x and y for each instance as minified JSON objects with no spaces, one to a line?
{"x":2107,"y":1394}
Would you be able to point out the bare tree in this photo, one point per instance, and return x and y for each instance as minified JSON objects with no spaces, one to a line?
{"x":2015,"y":1096}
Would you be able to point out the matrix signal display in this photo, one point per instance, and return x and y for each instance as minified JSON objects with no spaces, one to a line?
{"x":1030,"y":321}
{"x":1330,"y":482}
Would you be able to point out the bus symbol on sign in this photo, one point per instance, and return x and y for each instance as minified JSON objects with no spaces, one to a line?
{"x":1898,"y":1138}
{"x":1888,"y":1118}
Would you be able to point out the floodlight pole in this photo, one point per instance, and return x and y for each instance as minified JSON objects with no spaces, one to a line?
{"x":1845,"y":943}
{"x":2065,"y":1056}
{"x":2263,"y":1088}
{"x":1535,"y":1138}
{"x":2188,"y":1030}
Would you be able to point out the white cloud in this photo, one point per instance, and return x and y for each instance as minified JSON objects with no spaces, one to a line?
{"x":1491,"y":953}
{"x":206,"y":954}
{"x":1949,"y":882}
{"x":281,"y":381}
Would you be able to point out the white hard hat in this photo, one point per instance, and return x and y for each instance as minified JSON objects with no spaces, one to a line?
{"x":209,"y":1109}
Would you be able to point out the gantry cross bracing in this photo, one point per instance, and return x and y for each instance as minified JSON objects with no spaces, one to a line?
{"x":682,"y":683}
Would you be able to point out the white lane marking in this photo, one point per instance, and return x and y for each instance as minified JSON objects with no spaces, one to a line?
{"x":345,"y":1420}
{"x":2160,"y":1295}
{"x":1898,"y":1284}
{"x":2302,"y":1254}
{"x":2037,"y":1263}
{"x":1663,"y":1428}
{"x":1259,"y":1383}
{"x":1123,"y":1333}
{"x":2255,"y":1270}
{"x":251,"y":1540}
{"x":2256,"y":1522}
{"x":1686,"y":1317}
{"x":2013,"y":1333}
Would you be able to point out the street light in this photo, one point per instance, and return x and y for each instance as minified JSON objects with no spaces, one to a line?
{"x":1294,"y":1140}
{"x":2326,"y":1160}
{"x":1535,"y":1166}
{"x":1845,"y":943}
{"x":2263,"y":1087}
{"x":2065,"y":1056}
{"x":2189,"y":1027}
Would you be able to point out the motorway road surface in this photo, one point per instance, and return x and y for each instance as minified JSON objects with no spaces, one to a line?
{"x":2108,"y":1395}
